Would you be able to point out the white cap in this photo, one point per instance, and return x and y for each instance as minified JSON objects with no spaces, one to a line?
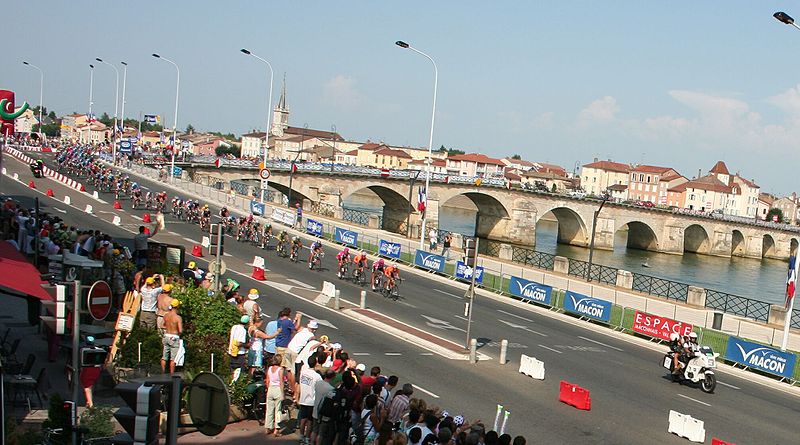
{"x":361,"y":367}
{"x":312,"y":324}
{"x":336,"y":346}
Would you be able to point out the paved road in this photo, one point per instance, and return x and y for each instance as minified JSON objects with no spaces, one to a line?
{"x":631,"y":398}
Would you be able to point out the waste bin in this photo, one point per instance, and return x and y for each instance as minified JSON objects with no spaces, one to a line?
{"x":717,"y":324}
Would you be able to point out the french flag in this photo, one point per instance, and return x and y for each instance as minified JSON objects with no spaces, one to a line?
{"x":422,"y":199}
{"x":791,"y":281}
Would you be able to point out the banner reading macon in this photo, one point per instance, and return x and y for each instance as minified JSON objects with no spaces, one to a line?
{"x":659,"y":327}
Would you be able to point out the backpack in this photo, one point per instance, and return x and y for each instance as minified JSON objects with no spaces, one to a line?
{"x":333,"y":407}
{"x":357,"y":436}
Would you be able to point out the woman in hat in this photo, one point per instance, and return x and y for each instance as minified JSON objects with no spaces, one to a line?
{"x":255,"y":331}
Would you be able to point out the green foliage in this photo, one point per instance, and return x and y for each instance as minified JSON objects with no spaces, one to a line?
{"x":20,"y":436}
{"x":238,"y":390}
{"x":97,"y":420}
{"x":516,"y":156}
{"x":106,"y":119}
{"x":51,"y":130}
{"x":190,"y":128}
{"x":222,"y":150}
{"x":57,"y":417}
{"x":128,"y":355}
{"x":198,"y":354}
{"x":228,"y":136}
{"x":775,"y":211}
{"x":454,"y":151}
{"x":203,"y":314}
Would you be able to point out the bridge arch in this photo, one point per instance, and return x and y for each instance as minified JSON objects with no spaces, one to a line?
{"x":768,"y":246}
{"x":491,"y":215}
{"x":738,"y":246}
{"x":793,"y":244}
{"x":296,"y":196}
{"x":395,"y":206}
{"x":640,"y":235}
{"x":571,"y":227}
{"x":696,"y":239}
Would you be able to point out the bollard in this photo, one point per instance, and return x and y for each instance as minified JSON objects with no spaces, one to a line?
{"x":363,"y":299}
{"x":67,"y":200}
{"x":336,"y":299}
{"x":503,"y":351}
{"x":212,"y":362}
{"x":473,"y":350}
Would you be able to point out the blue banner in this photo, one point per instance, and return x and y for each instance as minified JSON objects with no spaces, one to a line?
{"x":392,"y":250}
{"x":177,"y":171}
{"x":587,"y":306}
{"x":257,"y":208}
{"x":760,"y":357}
{"x":465,"y":273}
{"x":530,"y":290}
{"x":313,"y":227}
{"x":429,"y":261}
{"x":125,"y":146}
{"x":345,"y":236}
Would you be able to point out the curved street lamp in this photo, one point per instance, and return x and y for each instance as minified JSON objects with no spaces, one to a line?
{"x":116,"y":105}
{"x":41,"y":90}
{"x":269,"y":113}
{"x":405,"y":45}
{"x":175,"y":120}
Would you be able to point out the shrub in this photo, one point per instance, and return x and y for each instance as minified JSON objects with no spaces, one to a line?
{"x":128,"y":355}
{"x":97,"y":420}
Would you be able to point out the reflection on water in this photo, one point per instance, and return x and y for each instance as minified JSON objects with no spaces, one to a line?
{"x":763,"y":280}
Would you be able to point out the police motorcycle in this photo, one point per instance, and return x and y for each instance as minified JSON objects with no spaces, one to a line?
{"x":256,"y":401}
{"x":698,"y":369}
{"x":37,"y":168}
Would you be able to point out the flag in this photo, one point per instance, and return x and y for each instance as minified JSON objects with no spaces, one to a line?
{"x":161,"y":138}
{"x":152,"y":119}
{"x":422,"y":199}
{"x":90,"y":117}
{"x":790,"y":281}
{"x":294,"y":167}
{"x":218,"y":163}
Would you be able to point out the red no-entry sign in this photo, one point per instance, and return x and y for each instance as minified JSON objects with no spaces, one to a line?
{"x":99,"y":300}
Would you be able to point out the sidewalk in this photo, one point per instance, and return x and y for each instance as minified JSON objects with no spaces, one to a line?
{"x":245,"y":432}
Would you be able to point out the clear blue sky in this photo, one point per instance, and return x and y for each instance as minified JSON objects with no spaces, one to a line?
{"x":679,"y":84}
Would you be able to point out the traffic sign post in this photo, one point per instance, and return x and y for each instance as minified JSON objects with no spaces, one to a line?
{"x":140,"y":418}
{"x":264,"y":174}
{"x":471,"y":260}
{"x":98,"y":301}
{"x":216,"y":248}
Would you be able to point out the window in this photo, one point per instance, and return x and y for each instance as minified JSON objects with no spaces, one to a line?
{"x":641,"y":177}
{"x":648,"y":178}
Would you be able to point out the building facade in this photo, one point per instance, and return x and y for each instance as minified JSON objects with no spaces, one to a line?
{"x":597,"y":176}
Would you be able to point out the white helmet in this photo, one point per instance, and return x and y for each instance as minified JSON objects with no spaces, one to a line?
{"x":693,"y":335}
{"x":674,"y":336}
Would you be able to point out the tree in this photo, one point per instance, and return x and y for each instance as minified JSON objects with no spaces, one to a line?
{"x":106,"y":119}
{"x":223,"y":150}
{"x":775,"y":212}
{"x":52,"y":115}
{"x":516,"y":156}
{"x":454,"y":151}
{"x":190,"y":128}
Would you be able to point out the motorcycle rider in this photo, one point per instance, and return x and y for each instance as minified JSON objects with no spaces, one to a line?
{"x":688,"y":350}
{"x":675,"y":349}
{"x":377,"y":270}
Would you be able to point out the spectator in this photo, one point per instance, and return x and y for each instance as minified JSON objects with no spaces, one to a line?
{"x":519,"y":440}
{"x":445,"y":436}
{"x":369,"y":380}
{"x":269,"y":344}
{"x":446,"y":245}
{"x":505,"y":439}
{"x":398,"y":407}
{"x":251,"y":307}
{"x":415,"y":435}
{"x":173,"y":328}
{"x":255,"y":331}
{"x":274,"y":381}
{"x":491,"y":438}
{"x":238,"y":345}
{"x":140,"y":245}
{"x":434,"y":238}
{"x":322,"y":389}
{"x":297,"y":343}
{"x":304,"y":397}
{"x":386,"y":394}
{"x":288,"y":328}
{"x":150,"y":293}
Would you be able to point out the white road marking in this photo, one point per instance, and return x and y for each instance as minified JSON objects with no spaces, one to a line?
{"x":173,"y":233}
{"x":226,"y":254}
{"x":59,"y":210}
{"x":551,"y":349}
{"x":426,"y":353}
{"x":188,"y":239}
{"x":406,"y":304}
{"x":600,"y":343}
{"x":694,"y":400}
{"x":728,"y":385}
{"x":460,"y":317}
{"x":448,"y":294}
{"x":425,"y":391}
{"x":440,"y":324}
{"x":519,"y":326}
{"x":393,"y":353}
{"x":360,"y":353}
{"x":300,"y":283}
{"x":515,"y":315}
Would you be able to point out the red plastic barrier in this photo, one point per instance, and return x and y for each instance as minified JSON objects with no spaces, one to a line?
{"x":146,"y":218}
{"x":258,"y":274}
{"x":197,"y":250}
{"x":574,"y":395}
{"x":716,"y":441}
{"x":117,"y":205}
{"x":50,"y":193}
{"x":31,"y":185}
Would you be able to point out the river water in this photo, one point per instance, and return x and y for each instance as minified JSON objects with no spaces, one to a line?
{"x":763,"y":280}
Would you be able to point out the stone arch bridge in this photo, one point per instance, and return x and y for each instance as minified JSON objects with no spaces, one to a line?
{"x":511,"y":215}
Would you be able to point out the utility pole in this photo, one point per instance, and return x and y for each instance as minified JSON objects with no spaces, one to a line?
{"x":471,"y":261}
{"x":411,"y":206}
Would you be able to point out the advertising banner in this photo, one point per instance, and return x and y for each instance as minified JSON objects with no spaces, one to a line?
{"x":283,"y":217}
{"x":760,"y":357}
{"x":256,"y":208}
{"x":392,"y":250}
{"x":530,"y":290}
{"x":587,"y":306}
{"x":345,"y":236}
{"x":429,"y":261}
{"x":464,"y":272}
{"x":659,"y":327}
{"x":313,"y":227}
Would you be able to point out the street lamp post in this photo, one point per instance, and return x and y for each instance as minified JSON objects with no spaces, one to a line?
{"x":41,"y":90}
{"x":269,"y":115}
{"x":124,"y":85}
{"x":175,"y":120}
{"x":89,"y":116}
{"x":594,"y":229}
{"x":116,"y":108}
{"x":787,"y":19}
{"x":333,"y":153}
{"x":405,"y":45}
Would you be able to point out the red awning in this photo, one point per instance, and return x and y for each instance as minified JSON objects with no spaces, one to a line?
{"x":17,"y":275}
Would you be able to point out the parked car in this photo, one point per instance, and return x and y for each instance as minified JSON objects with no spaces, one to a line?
{"x":577,"y":194}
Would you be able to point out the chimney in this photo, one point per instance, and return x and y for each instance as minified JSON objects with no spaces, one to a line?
{"x":699,"y":172}
{"x":595,"y":160}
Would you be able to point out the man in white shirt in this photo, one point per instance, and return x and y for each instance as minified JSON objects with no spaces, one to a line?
{"x":297,"y":343}
{"x":147,"y":318}
{"x":237,"y":344}
{"x":322,"y":389}
{"x":305,"y":398}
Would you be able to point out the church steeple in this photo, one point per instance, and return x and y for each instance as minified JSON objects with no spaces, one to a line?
{"x":280,"y":116}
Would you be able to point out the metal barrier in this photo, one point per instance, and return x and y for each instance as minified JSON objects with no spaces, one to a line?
{"x":734,"y":304}
{"x":660,"y":287}
{"x":355,"y":216}
{"x":531,"y":257}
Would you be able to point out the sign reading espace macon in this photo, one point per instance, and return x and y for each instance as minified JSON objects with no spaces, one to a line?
{"x":313,"y":227}
{"x":345,"y":236}
{"x":429,"y":261}
{"x":761,"y":357}
{"x":530,"y":290}
{"x":587,"y":306}
{"x":659,"y":327}
{"x":392,"y":250}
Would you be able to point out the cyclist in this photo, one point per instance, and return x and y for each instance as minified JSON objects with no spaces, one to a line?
{"x":223,"y":212}
{"x":206,"y":217}
{"x":316,"y":251}
{"x":359,"y":263}
{"x":377,"y":271}
{"x":283,"y":238}
{"x":392,"y":273}
{"x":344,"y":259}
{"x":296,"y":246}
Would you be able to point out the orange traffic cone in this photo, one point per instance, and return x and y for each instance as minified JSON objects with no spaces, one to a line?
{"x":117,"y":205}
{"x":31,"y":184}
{"x":146,"y":230}
{"x":50,"y":193}
{"x":197,"y":250}
{"x":146,"y":218}
{"x":258,"y":274}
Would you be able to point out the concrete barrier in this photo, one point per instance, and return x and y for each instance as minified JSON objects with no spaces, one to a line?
{"x":687,"y":427}
{"x":67,"y":200}
{"x":603,"y":293}
{"x":756,"y":332}
{"x":88,"y":208}
{"x":580,"y":287}
{"x":531,"y":367}
{"x":555,"y":281}
{"x":661,"y":308}
{"x":116,"y":220}
{"x":697,"y":317}
{"x":632,"y":301}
